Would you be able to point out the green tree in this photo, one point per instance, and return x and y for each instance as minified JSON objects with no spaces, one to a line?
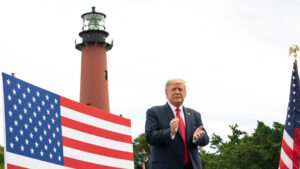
{"x":261,"y":150}
{"x":1,"y":157}
{"x":141,"y":151}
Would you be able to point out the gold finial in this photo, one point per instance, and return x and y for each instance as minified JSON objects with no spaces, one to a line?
{"x":294,"y":49}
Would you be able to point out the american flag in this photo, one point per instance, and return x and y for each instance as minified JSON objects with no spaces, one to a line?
{"x":45,"y":130}
{"x":290,"y":149}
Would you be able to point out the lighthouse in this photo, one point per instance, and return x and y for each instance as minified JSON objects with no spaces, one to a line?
{"x":94,"y":75}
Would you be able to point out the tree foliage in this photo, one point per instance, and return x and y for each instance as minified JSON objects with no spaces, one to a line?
{"x":260,"y":150}
{"x":1,"y":157}
{"x":141,"y":151}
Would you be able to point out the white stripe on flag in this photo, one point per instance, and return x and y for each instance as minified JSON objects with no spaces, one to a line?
{"x":31,"y":163}
{"x":288,"y":139}
{"x":97,"y":159}
{"x":93,"y":121}
{"x":99,"y":141}
{"x":286,"y":160}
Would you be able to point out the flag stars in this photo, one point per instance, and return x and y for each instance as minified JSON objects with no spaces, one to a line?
{"x":17,"y":139}
{"x":28,"y":90}
{"x":58,"y":143}
{"x":46,"y":147}
{"x":21,"y":132}
{"x":8,"y":82}
{"x":49,"y":126}
{"x":29,"y":105}
{"x":43,"y":103}
{"x":40,"y":123}
{"x":16,"y":123}
{"x":53,"y":134}
{"x":20,"y":116}
{"x":45,"y":132}
{"x":57,"y":129}
{"x":27,"y":141}
{"x":34,"y":114}
{"x":11,"y":129}
{"x":54,"y":149}
{"x":49,"y":141}
{"x":22,"y":148}
{"x":32,"y":151}
{"x":25,"y":110}
{"x":41,"y":138}
{"x":55,"y":100}
{"x":15,"y":107}
{"x":11,"y":145}
{"x":36,"y":144}
{"x":42,"y":153}
{"x":39,"y":108}
{"x":33,"y":99}
{"x":30,"y":120}
{"x":52,"y":107}
{"x":38,"y":94}
{"x":10,"y":113}
{"x":35,"y":129}
{"x":50,"y":156}
{"x":52,"y":120}
{"x":47,"y":97}
{"x":31,"y":135}
{"x":44,"y":117}
{"x":59,"y":158}
{"x":24,"y":96}
{"x":19,"y":86}
{"x":48,"y":112}
{"x":56,"y":115}
{"x":9,"y":97}
{"x":19,"y":101}
{"x":14,"y":91}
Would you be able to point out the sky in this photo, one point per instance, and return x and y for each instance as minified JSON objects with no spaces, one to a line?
{"x":233,"y":55}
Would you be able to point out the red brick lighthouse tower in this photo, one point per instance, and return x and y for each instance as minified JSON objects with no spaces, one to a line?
{"x":94,"y":78}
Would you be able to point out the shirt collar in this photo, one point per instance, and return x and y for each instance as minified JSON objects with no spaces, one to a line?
{"x":174,"y":107}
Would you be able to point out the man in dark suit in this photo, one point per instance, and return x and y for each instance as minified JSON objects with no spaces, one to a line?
{"x":174,"y":131}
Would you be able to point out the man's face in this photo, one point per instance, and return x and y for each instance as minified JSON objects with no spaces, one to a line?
{"x":176,"y":93}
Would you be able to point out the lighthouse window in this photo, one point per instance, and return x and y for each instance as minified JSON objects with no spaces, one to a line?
{"x":105,"y":73}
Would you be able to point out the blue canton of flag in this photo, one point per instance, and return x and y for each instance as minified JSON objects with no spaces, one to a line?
{"x":32,"y":121}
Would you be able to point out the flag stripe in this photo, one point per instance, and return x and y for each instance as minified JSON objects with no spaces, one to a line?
{"x":285,"y":159}
{"x":296,"y":154}
{"x":27,"y":162}
{"x":97,"y":149}
{"x":286,"y":149}
{"x":10,"y":166}
{"x":94,"y":112}
{"x":69,"y":162}
{"x":96,"y":159}
{"x":93,"y":121}
{"x":91,"y":139}
{"x":95,"y":130}
{"x":288,"y":139}
{"x":282,"y":165}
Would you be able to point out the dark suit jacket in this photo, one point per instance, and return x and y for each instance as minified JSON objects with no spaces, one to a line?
{"x":165,"y":152}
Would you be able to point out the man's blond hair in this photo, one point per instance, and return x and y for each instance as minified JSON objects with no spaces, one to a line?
{"x":175,"y":80}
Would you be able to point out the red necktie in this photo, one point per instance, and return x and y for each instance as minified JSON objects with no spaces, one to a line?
{"x":182,"y":129}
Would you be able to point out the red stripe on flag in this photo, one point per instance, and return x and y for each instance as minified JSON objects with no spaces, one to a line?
{"x":95,"y":130}
{"x":97,"y":149}
{"x":10,"y":166}
{"x":296,"y":154}
{"x":69,"y":162}
{"x":92,"y":111}
{"x":282,"y":165}
{"x":288,"y":151}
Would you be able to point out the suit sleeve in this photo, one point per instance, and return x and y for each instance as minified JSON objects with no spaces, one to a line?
{"x":154,"y":134}
{"x":205,"y":139}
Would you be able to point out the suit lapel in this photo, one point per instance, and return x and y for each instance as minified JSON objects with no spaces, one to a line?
{"x":187,"y":118}
{"x":169,"y":112}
